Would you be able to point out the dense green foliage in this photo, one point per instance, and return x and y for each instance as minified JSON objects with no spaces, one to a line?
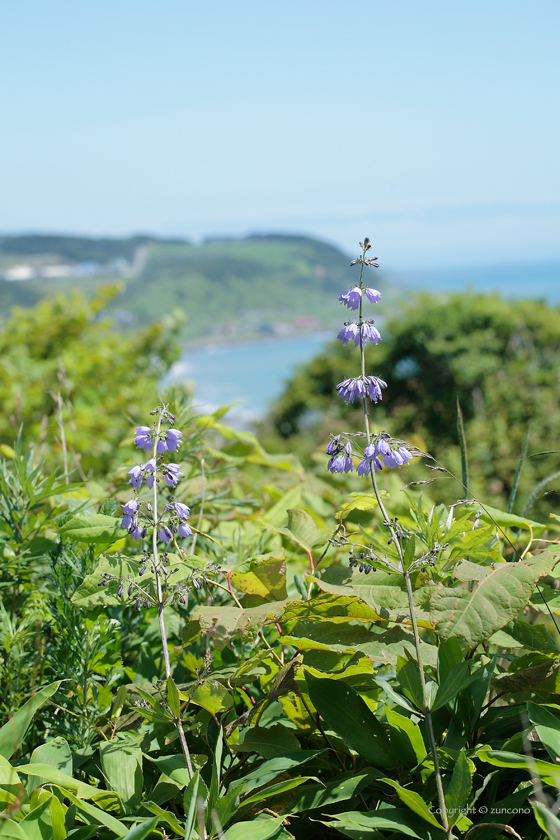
{"x":62,"y":359}
{"x":500,"y":359}
{"x":330,"y":679}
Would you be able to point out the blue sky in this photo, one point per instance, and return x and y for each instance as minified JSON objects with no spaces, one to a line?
{"x":432,"y":127}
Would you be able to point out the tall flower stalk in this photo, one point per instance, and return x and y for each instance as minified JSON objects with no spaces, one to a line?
{"x":167,"y":520}
{"x":381,"y":451}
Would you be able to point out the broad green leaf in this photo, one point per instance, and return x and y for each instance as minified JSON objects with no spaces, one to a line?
{"x":175,"y":767}
{"x":385,"y":818}
{"x":259,"y":829}
{"x":413,"y":801}
{"x":94,"y":528}
{"x":121,"y":760}
{"x":276,"y":515}
{"x":459,"y":788}
{"x":214,"y":789}
{"x":493,"y":601}
{"x":189,"y":801}
{"x":406,"y":739}
{"x":173,"y":697}
{"x":337,"y":609}
{"x":11,"y":830}
{"x":385,"y":593}
{"x":549,"y":823}
{"x":519,"y":633}
{"x":304,"y":530}
{"x":9,"y":779}
{"x":210,"y":695}
{"x":494,"y":516}
{"x":264,"y":575}
{"x":526,"y":679}
{"x":546,"y":598}
{"x":272,"y":741}
{"x":272,"y":768}
{"x":279,"y":787}
{"x":101,"y":816}
{"x":361,"y":501}
{"x":56,"y":777}
{"x":13,"y":732}
{"x":347,"y":714}
{"x":548,"y":728}
{"x":467,"y":571}
{"x":38,"y":824}
{"x":449,"y":655}
{"x":221,"y":623}
{"x":165,"y":817}
{"x":409,"y":680}
{"x":455,"y":681}
{"x":337,"y":789}
{"x":549,"y":773}
{"x":142,"y":830}
{"x":55,"y":753}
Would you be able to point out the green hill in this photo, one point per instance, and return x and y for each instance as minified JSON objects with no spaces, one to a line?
{"x":228,"y":288}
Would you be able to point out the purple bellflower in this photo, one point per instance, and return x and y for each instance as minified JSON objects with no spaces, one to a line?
{"x":171,"y":473}
{"x":350,"y":332}
{"x":372,"y":295}
{"x":360,"y":387}
{"x":173,"y":439}
{"x":369,"y":333}
{"x":351,"y":298}
{"x":143,"y":439}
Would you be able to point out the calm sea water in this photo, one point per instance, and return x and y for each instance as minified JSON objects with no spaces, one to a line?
{"x":253,"y":374}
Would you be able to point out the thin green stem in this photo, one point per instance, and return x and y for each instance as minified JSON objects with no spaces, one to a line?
{"x":395,"y":539}
{"x":160,"y":602}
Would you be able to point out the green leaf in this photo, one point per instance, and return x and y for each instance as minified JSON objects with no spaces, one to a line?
{"x":337,"y":789}
{"x":494,"y":516}
{"x":173,"y":697}
{"x":385,"y":818}
{"x":264,"y":575}
{"x":102,"y":817}
{"x":414,"y":801}
{"x":459,"y":788}
{"x":39,"y":825}
{"x":175,"y":767}
{"x":548,"y":728}
{"x":94,"y":528}
{"x":259,"y":829}
{"x":212,"y":696}
{"x":493,"y":601}
{"x":189,"y":801}
{"x":304,"y":530}
{"x":406,"y":739}
{"x":142,"y":830}
{"x":384,"y":592}
{"x":11,"y":830}
{"x":13,"y":732}
{"x":121,"y":760}
{"x":519,"y":633}
{"x":549,"y":823}
{"x":347,"y":714}
{"x":455,"y":681}
{"x":221,"y":623}
{"x":214,"y":789}
{"x":268,"y":770}
{"x":62,"y":780}
{"x":527,"y":679}
{"x":279,"y":787}
{"x":409,"y":680}
{"x":55,"y":753}
{"x":272,"y":741}
{"x":337,"y":609}
{"x":549,"y":773}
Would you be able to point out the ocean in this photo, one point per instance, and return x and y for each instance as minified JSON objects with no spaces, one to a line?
{"x":253,"y":374}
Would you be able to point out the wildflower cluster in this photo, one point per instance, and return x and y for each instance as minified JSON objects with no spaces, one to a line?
{"x":380,"y":450}
{"x":139,"y":514}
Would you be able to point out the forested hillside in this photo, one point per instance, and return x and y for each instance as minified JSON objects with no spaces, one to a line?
{"x":227,"y":288}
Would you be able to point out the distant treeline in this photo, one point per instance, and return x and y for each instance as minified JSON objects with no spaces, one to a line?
{"x":79,"y":248}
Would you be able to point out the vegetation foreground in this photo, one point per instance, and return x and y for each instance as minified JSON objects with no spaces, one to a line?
{"x":201,"y":639}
